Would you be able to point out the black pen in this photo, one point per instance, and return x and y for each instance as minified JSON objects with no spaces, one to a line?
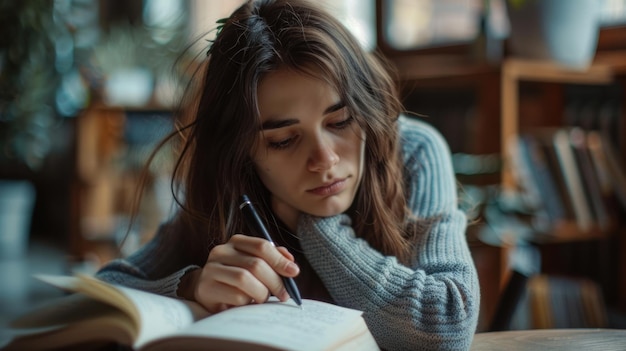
{"x":256,"y":226}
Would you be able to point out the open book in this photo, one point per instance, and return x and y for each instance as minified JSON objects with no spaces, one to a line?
{"x":101,"y":313}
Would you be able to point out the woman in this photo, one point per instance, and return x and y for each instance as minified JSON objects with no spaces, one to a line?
{"x":360,"y":201}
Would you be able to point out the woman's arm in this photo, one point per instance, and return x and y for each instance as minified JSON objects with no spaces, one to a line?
{"x":157,"y":267}
{"x":434,"y":303}
{"x":243,"y":270}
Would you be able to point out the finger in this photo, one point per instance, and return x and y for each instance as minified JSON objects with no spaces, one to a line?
{"x":230,"y":285}
{"x":268,"y":252}
{"x":283,"y":250}
{"x":252,"y":255}
{"x":246,"y":271}
{"x":263,"y":300}
{"x":227,"y":295}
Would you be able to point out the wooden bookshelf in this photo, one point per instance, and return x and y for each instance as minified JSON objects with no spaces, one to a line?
{"x":502,"y":112}
{"x":569,"y":231}
{"x":514,"y":71}
{"x":110,"y":155}
{"x":606,"y":69}
{"x":445,"y":74}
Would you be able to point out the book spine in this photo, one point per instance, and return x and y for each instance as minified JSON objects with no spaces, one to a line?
{"x":589,"y":178}
{"x":543,"y":178}
{"x":616,"y":172}
{"x":567,"y":161}
{"x":540,"y":302}
{"x":523,"y":172}
{"x":545,"y":142}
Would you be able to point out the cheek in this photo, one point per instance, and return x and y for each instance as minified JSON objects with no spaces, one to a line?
{"x":357,"y":152}
{"x":271,"y":173}
{"x":263,"y":170}
{"x":361,"y":153}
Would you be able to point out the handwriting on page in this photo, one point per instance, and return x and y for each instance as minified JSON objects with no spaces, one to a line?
{"x":310,"y":320}
{"x":279,"y":324}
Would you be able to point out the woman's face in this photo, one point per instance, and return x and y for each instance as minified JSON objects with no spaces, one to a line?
{"x":310,"y":151}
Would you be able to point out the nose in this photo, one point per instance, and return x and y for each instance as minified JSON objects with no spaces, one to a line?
{"x":322,"y":156}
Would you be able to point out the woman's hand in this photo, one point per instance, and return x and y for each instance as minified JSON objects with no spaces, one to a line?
{"x":244,"y":270}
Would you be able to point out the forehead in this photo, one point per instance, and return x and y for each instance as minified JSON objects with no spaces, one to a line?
{"x":287,"y":89}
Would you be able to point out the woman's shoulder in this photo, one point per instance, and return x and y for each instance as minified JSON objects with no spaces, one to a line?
{"x":417,"y":135}
{"x":428,"y":169}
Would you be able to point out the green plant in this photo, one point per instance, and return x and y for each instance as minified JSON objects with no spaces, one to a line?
{"x":28,"y":80}
{"x":127,"y":46}
{"x":32,"y":32}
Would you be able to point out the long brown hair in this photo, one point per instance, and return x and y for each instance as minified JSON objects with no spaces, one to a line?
{"x":214,"y":165}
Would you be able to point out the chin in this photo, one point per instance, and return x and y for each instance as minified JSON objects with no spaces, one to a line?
{"x":331,"y":207}
{"x":328,"y":213}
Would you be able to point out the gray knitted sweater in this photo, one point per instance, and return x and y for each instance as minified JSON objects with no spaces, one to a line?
{"x":431,"y":305}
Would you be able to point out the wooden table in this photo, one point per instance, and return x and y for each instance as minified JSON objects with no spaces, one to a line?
{"x":552,"y":339}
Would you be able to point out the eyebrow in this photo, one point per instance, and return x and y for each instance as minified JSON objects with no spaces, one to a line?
{"x":275,"y":124}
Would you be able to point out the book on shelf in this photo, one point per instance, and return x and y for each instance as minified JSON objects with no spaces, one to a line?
{"x":522,"y":172}
{"x":594,"y":305}
{"x":98,"y":313}
{"x":539,"y":302}
{"x":589,"y":177}
{"x":573,"y":182}
{"x":542,"y":177}
{"x":615,"y":170}
{"x":565,"y":302}
{"x":545,"y":142}
{"x":598,"y":156}
{"x":571,"y":178}
{"x":611,"y":173}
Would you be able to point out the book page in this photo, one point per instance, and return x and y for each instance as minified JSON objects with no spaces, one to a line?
{"x":157,"y":314}
{"x":283,"y":325}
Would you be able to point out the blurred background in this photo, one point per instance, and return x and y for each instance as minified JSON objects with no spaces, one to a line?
{"x":529,"y":95}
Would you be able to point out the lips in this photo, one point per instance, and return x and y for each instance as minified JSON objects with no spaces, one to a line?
{"x":331,"y":188}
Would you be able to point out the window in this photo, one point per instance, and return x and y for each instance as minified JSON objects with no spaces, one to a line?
{"x":417,"y":23}
{"x":414,"y":24}
{"x":359,"y":16}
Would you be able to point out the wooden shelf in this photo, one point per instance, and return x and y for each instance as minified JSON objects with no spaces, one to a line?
{"x":108,"y":174}
{"x":516,"y":70}
{"x":569,"y":231}
{"x":501,"y":95}
{"x":440,"y":68}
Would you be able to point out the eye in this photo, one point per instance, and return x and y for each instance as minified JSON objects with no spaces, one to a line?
{"x":345,"y":123}
{"x":281,"y":144}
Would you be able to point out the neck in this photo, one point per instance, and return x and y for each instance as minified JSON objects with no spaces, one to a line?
{"x":287,"y":214}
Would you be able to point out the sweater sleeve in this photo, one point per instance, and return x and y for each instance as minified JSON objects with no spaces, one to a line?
{"x":157,"y":267}
{"x":433,"y":304}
